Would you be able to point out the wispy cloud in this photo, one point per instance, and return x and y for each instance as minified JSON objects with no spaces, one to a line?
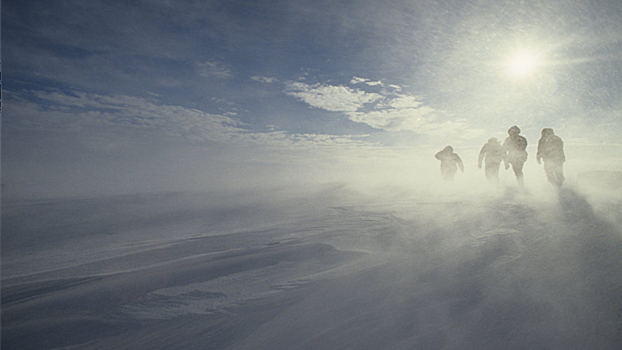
{"x":267,"y":80}
{"x":401,"y":113}
{"x":58,"y":110}
{"x":359,"y":80}
{"x":330,"y":97}
{"x":94,"y":114}
{"x":387,"y":110}
{"x":212,"y":69}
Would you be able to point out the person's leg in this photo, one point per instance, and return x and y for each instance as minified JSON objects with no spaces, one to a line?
{"x":518,"y":171}
{"x":488,"y":171}
{"x":559,"y":173}
{"x":555,"y":172}
{"x":448,"y":175}
{"x":492,"y":171}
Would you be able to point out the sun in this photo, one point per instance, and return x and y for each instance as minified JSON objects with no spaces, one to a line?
{"x":522,"y":64}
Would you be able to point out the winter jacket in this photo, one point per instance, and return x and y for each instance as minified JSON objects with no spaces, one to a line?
{"x":514,"y":149}
{"x":492,"y":151}
{"x":551,"y":147}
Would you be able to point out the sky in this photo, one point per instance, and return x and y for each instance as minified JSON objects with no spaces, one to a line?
{"x":119,"y":96}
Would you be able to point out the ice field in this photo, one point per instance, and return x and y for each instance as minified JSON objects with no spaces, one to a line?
{"x":328,"y":268}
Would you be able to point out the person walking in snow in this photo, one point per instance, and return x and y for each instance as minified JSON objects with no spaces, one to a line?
{"x":514,"y":153}
{"x":492,"y":153}
{"x":450,"y":162}
{"x":551,"y":150}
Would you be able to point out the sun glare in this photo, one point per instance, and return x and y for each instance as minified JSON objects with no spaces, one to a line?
{"x":522,"y":64}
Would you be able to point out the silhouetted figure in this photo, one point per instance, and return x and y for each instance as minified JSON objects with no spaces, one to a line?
{"x":450,"y":162}
{"x":551,"y":150}
{"x":492,"y":153}
{"x":514,"y":153}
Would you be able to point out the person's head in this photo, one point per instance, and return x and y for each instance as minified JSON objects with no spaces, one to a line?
{"x":514,"y":130}
{"x":493,"y":140}
{"x":547,"y":132}
{"x":448,"y":149}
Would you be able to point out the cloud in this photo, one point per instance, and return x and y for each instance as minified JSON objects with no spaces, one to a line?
{"x":80,"y":111}
{"x":359,"y":80}
{"x":267,"y":80}
{"x":96,"y":115}
{"x":284,"y":141}
{"x":401,"y":113}
{"x":389,"y":110}
{"x":212,"y":69}
{"x":394,"y":119}
{"x":329,"y":97}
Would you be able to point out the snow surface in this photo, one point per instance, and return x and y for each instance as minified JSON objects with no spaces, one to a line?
{"x":314,"y":269}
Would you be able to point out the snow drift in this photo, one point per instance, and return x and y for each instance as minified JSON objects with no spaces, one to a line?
{"x":328,"y":269}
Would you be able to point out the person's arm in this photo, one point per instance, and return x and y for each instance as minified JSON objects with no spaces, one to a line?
{"x":504,"y":152}
{"x":459,"y":162}
{"x":540,"y":151}
{"x":482,"y":154}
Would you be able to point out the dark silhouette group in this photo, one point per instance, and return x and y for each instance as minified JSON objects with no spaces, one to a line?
{"x":513,"y":153}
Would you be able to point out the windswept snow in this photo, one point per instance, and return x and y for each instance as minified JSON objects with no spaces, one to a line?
{"x":328,"y":269}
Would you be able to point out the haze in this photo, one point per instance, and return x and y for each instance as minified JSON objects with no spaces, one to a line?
{"x":230,"y":174}
{"x":104,"y":98}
